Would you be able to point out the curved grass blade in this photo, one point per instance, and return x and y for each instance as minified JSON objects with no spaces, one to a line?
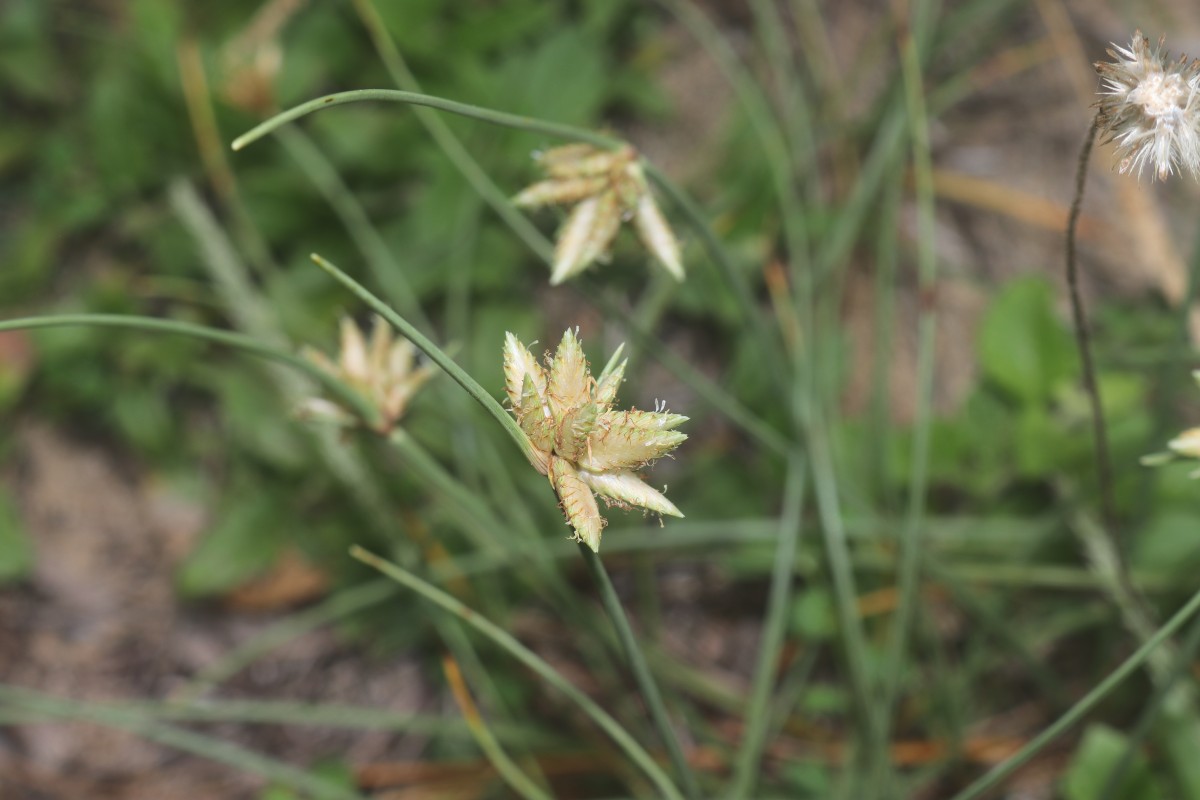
{"x":511,"y":773}
{"x":237,"y":341}
{"x":616,"y":732}
{"x":435,"y":353}
{"x":529,"y":124}
{"x":1078,"y":711}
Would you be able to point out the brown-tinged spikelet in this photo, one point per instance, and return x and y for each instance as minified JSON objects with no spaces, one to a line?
{"x":580,"y":443}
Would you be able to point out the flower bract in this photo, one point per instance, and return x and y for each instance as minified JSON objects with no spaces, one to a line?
{"x":581,"y":443}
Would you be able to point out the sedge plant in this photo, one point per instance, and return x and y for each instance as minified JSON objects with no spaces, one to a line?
{"x":567,"y":424}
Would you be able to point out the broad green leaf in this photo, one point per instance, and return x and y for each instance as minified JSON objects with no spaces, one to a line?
{"x":1023,"y":346}
{"x":1091,"y":768}
{"x":1167,"y":545}
{"x":814,"y":616}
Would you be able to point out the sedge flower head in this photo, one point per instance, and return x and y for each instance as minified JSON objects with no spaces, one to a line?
{"x":1150,"y":107}
{"x":1186,"y":445}
{"x":383,"y":371}
{"x":580,"y":442}
{"x":606,"y":188}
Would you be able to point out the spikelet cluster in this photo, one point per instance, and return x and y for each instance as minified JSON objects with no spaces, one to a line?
{"x":605,"y":187}
{"x":384,"y":371}
{"x":581,"y":443}
{"x":1150,"y":107}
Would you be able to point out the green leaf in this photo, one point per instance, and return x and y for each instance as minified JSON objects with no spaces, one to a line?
{"x":814,"y":616}
{"x":245,"y":540}
{"x":16,"y":551}
{"x":1167,"y":545}
{"x":825,"y":698}
{"x":1023,"y":347}
{"x":1098,"y":754}
{"x":808,"y":779}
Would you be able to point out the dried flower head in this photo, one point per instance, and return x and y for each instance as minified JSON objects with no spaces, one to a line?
{"x":1150,"y":106}
{"x":579,"y":441}
{"x":606,"y":187}
{"x":383,"y":371}
{"x":1185,"y":445}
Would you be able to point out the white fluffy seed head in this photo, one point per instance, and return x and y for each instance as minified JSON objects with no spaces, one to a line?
{"x":1150,"y":107}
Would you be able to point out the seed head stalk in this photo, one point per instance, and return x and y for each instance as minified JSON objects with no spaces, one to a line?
{"x":1130,"y":599}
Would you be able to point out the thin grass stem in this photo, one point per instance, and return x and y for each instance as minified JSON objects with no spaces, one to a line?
{"x":641,"y":671}
{"x":474,"y":515}
{"x":747,"y":764}
{"x":269,"y":712}
{"x":1154,"y":709}
{"x":1137,"y":613}
{"x":509,"y":771}
{"x":770,"y":344}
{"x":504,"y":640}
{"x":1082,"y":708}
{"x":237,"y":341}
{"x":1104,"y":470}
{"x":841,"y":569}
{"x":445,"y":138}
{"x":385,"y":269}
{"x":908,"y":576}
{"x":435,"y":353}
{"x":528,"y":124}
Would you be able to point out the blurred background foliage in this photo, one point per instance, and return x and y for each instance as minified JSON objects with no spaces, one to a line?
{"x":118,"y":194}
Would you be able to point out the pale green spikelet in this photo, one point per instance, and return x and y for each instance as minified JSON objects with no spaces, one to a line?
{"x":604,"y":188}
{"x":578,"y":441}
{"x":384,"y":372}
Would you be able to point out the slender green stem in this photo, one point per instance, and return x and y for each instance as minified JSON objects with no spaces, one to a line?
{"x":795,"y":113}
{"x":908,"y":577}
{"x":451,"y":145}
{"x":769,"y":343}
{"x":837,"y":552}
{"x":759,"y":707}
{"x":1153,"y":710}
{"x":528,"y":124}
{"x":500,"y":760}
{"x":530,"y":659}
{"x":247,"y":308}
{"x":474,"y":514}
{"x":1085,"y":705}
{"x":385,"y":268}
{"x":1104,"y":470}
{"x":237,"y":341}
{"x":641,"y":671}
{"x":435,"y":353}
{"x":764,"y":124}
